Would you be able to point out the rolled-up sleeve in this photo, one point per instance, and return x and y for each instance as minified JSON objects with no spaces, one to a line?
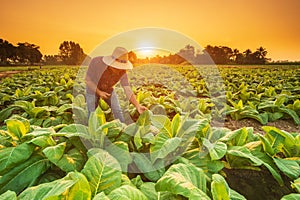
{"x":94,"y":71}
{"x":126,"y":86}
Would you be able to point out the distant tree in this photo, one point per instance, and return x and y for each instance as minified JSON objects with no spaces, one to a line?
{"x":156,"y":59}
{"x":28,"y":53}
{"x":248,"y":57}
{"x":71,"y":53}
{"x":132,"y":57}
{"x":219,"y":54}
{"x":7,"y":52}
{"x":210,"y":54}
{"x":261,"y":54}
{"x":187,"y":53}
{"x":176,"y":59}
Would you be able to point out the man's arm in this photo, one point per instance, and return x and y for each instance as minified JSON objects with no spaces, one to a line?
{"x":136,"y":104}
{"x":92,"y":77}
{"x":129,"y":94}
{"x":93,"y":87}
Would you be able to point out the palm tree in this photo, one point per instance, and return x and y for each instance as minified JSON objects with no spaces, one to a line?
{"x":247,"y":56}
{"x":235,"y":55}
{"x":262,"y":52}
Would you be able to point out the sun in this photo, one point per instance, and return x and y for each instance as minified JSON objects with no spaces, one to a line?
{"x":145,"y":52}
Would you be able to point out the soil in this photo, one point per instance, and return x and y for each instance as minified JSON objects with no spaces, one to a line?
{"x":8,"y":73}
{"x":286,"y":125}
{"x":257,"y":185}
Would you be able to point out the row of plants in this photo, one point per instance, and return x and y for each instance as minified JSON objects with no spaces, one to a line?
{"x":153,"y":158}
{"x":44,"y":97}
{"x":48,"y":150}
{"x":263,"y":94}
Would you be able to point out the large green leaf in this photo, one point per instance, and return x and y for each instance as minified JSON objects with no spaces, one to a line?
{"x":149,"y":191}
{"x":43,"y":141}
{"x":101,"y":196}
{"x":11,"y":156}
{"x":280,"y":100}
{"x":144,"y":119}
{"x":25,"y":105}
{"x":163,"y":146}
{"x":120,"y":151}
{"x":204,"y":162}
{"x":184,"y":179}
{"x":140,"y":131}
{"x":241,"y":151}
{"x":127,"y":192}
{"x":186,"y":131}
{"x":171,"y":196}
{"x":292,"y":196}
{"x":40,"y":112}
{"x":17,"y":128}
{"x":296,"y":185}
{"x":24,"y":175}
{"x":64,"y":108}
{"x":8,"y":195}
{"x":290,"y":168}
{"x":137,"y":181}
{"x":128,"y":133}
{"x":163,"y":123}
{"x":71,"y":160}
{"x":97,"y":118}
{"x":274,"y":116}
{"x":261,"y":117}
{"x":266,"y":146}
{"x":114,"y":129}
{"x":282,"y":141}
{"x":175,"y":124}
{"x":219,"y":188}
{"x":54,"y":153}
{"x":152,"y":171}
{"x":231,"y":135}
{"x":102,"y":171}
{"x":75,"y":130}
{"x":52,"y":190}
{"x":216,"y":150}
{"x":40,"y":132}
{"x":235,"y":195}
{"x":292,"y":114}
{"x":241,"y":138}
{"x":81,"y":189}
{"x":6,"y":112}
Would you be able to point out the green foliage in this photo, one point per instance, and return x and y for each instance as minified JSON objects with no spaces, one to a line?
{"x":44,"y":154}
{"x":102,"y":171}
{"x":127,"y":192}
{"x":186,"y":180}
{"x":8,"y":195}
{"x":24,"y":174}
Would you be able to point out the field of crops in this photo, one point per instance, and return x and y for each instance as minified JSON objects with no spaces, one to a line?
{"x":179,"y":149}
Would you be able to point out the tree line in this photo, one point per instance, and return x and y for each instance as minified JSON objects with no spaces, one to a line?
{"x":210,"y":54}
{"x":70,"y":53}
{"x":23,"y":53}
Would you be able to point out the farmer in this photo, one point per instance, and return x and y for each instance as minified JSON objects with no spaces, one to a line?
{"x":103,"y":73}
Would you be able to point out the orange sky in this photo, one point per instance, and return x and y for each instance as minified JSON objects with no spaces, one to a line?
{"x":241,"y":24}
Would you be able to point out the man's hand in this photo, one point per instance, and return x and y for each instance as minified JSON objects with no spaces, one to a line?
{"x":103,"y":95}
{"x":141,"y":109}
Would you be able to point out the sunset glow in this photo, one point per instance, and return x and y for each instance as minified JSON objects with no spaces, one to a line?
{"x":145,"y":53}
{"x":234,"y":23}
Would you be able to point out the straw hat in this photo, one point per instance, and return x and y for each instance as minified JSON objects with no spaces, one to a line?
{"x":118,"y":59}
